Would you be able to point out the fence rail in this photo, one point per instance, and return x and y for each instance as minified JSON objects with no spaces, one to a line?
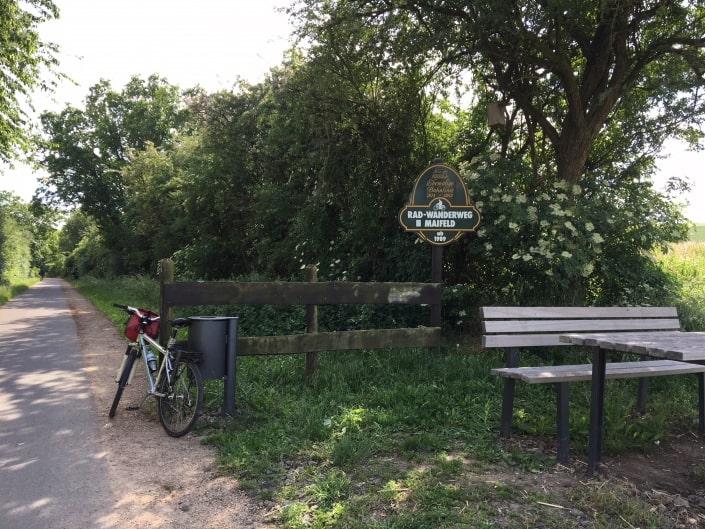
{"x":301,"y":293}
{"x":311,"y":294}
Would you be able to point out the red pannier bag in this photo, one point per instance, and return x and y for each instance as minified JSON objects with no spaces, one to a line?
{"x":132,"y":328}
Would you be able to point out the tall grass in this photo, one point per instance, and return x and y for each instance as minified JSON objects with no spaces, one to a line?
{"x":686,"y":262}
{"x":138,"y":291}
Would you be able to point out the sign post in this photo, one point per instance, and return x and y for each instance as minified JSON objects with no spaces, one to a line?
{"x":439,"y":211}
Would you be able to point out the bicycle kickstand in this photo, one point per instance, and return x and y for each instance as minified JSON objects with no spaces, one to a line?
{"x":137,"y":407}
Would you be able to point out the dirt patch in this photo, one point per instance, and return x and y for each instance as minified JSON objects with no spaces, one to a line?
{"x":677,"y":468}
{"x":671,"y":479}
{"x":187,"y":491}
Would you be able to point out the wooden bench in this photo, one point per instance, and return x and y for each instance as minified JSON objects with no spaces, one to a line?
{"x":515,"y":328}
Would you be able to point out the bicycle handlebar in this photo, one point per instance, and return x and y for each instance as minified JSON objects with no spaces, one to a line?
{"x":135,"y":311}
{"x":177,"y":322}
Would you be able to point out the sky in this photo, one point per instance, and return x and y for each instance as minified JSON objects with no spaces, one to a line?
{"x":210,"y":43}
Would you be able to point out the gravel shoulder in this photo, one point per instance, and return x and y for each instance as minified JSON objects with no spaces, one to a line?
{"x":185,"y":490}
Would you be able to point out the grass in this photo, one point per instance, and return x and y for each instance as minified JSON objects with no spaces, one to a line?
{"x":14,"y":286}
{"x":408,"y":439}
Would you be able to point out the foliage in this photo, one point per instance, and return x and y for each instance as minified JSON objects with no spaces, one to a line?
{"x":15,"y":240}
{"x":27,"y":238}
{"x":85,"y":150}
{"x":683,"y":263}
{"x":312,"y":165}
{"x":90,"y":257}
{"x":14,"y":287}
{"x":137,"y":291}
{"x":563,"y":243}
{"x":591,"y":92}
{"x":25,"y":61}
{"x":567,"y":68}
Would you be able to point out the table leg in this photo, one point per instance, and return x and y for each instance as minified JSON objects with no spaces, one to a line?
{"x":597,"y":408}
{"x":701,"y":403}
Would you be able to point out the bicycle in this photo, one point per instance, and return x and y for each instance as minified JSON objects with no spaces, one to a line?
{"x":173,"y":374}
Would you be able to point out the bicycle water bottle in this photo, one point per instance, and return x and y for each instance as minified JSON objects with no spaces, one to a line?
{"x":151,"y":361}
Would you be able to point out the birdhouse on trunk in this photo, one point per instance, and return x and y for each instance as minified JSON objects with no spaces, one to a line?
{"x":496,"y":115}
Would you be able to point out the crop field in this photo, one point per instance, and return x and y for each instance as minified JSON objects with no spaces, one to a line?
{"x":697,"y":234}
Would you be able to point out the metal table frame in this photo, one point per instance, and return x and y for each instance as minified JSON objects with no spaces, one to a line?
{"x":672,"y":345}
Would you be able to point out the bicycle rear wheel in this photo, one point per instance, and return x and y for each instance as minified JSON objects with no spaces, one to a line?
{"x":180,"y":406}
{"x":132,"y":354}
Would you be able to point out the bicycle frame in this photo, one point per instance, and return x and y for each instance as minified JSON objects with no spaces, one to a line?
{"x":144,"y":342}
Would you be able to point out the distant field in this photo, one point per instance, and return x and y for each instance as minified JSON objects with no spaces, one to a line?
{"x":698,"y":233}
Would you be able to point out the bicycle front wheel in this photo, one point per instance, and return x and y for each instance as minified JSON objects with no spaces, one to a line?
{"x":124,"y":378}
{"x":180,"y":405}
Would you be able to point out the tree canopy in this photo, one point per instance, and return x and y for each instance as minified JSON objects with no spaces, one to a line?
{"x":25,"y":62}
{"x":27,"y":238}
{"x":569,"y":68}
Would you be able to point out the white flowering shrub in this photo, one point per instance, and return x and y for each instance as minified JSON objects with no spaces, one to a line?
{"x":555,"y":242}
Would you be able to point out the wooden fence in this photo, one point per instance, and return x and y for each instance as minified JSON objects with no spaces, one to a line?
{"x":310,"y":293}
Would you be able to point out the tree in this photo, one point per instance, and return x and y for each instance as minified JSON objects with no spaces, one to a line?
{"x":15,"y":238}
{"x":45,"y":237}
{"x":86,"y":150}
{"x":567,"y":65}
{"x":26,"y":237}
{"x":81,"y":248}
{"x":343,"y":135}
{"x":24,"y":62}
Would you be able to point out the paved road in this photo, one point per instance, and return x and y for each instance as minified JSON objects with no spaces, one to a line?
{"x":52,"y":471}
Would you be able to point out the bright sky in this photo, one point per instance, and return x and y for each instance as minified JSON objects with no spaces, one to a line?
{"x":685,"y":164}
{"x":209,"y":43}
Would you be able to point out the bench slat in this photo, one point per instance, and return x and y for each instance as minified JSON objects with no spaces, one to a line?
{"x":520,"y":340}
{"x":583,"y":372}
{"x":577,"y":312}
{"x":532,"y":326}
{"x":535,"y":340}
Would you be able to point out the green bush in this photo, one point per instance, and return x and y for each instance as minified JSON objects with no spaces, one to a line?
{"x":90,"y":258}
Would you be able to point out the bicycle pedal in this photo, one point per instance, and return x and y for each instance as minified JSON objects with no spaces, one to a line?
{"x":132,"y":408}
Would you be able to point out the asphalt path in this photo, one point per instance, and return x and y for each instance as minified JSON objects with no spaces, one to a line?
{"x":53,"y":473}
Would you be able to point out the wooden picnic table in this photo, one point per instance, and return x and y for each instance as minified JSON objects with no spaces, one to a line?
{"x":672,"y":345}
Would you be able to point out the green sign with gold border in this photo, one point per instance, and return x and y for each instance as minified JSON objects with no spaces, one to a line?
{"x":439,"y":208}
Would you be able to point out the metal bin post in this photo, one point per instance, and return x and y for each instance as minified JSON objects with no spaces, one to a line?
{"x":215,"y":337}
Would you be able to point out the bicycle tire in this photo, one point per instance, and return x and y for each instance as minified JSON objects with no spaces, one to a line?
{"x":181,"y":404}
{"x":124,"y":377}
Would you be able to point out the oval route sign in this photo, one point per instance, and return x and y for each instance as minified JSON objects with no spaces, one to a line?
{"x":439,"y":208}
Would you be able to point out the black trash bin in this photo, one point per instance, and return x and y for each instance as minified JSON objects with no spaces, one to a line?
{"x":215,"y":337}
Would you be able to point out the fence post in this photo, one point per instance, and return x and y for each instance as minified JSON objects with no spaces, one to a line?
{"x":166,"y":277}
{"x":311,"y":321}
